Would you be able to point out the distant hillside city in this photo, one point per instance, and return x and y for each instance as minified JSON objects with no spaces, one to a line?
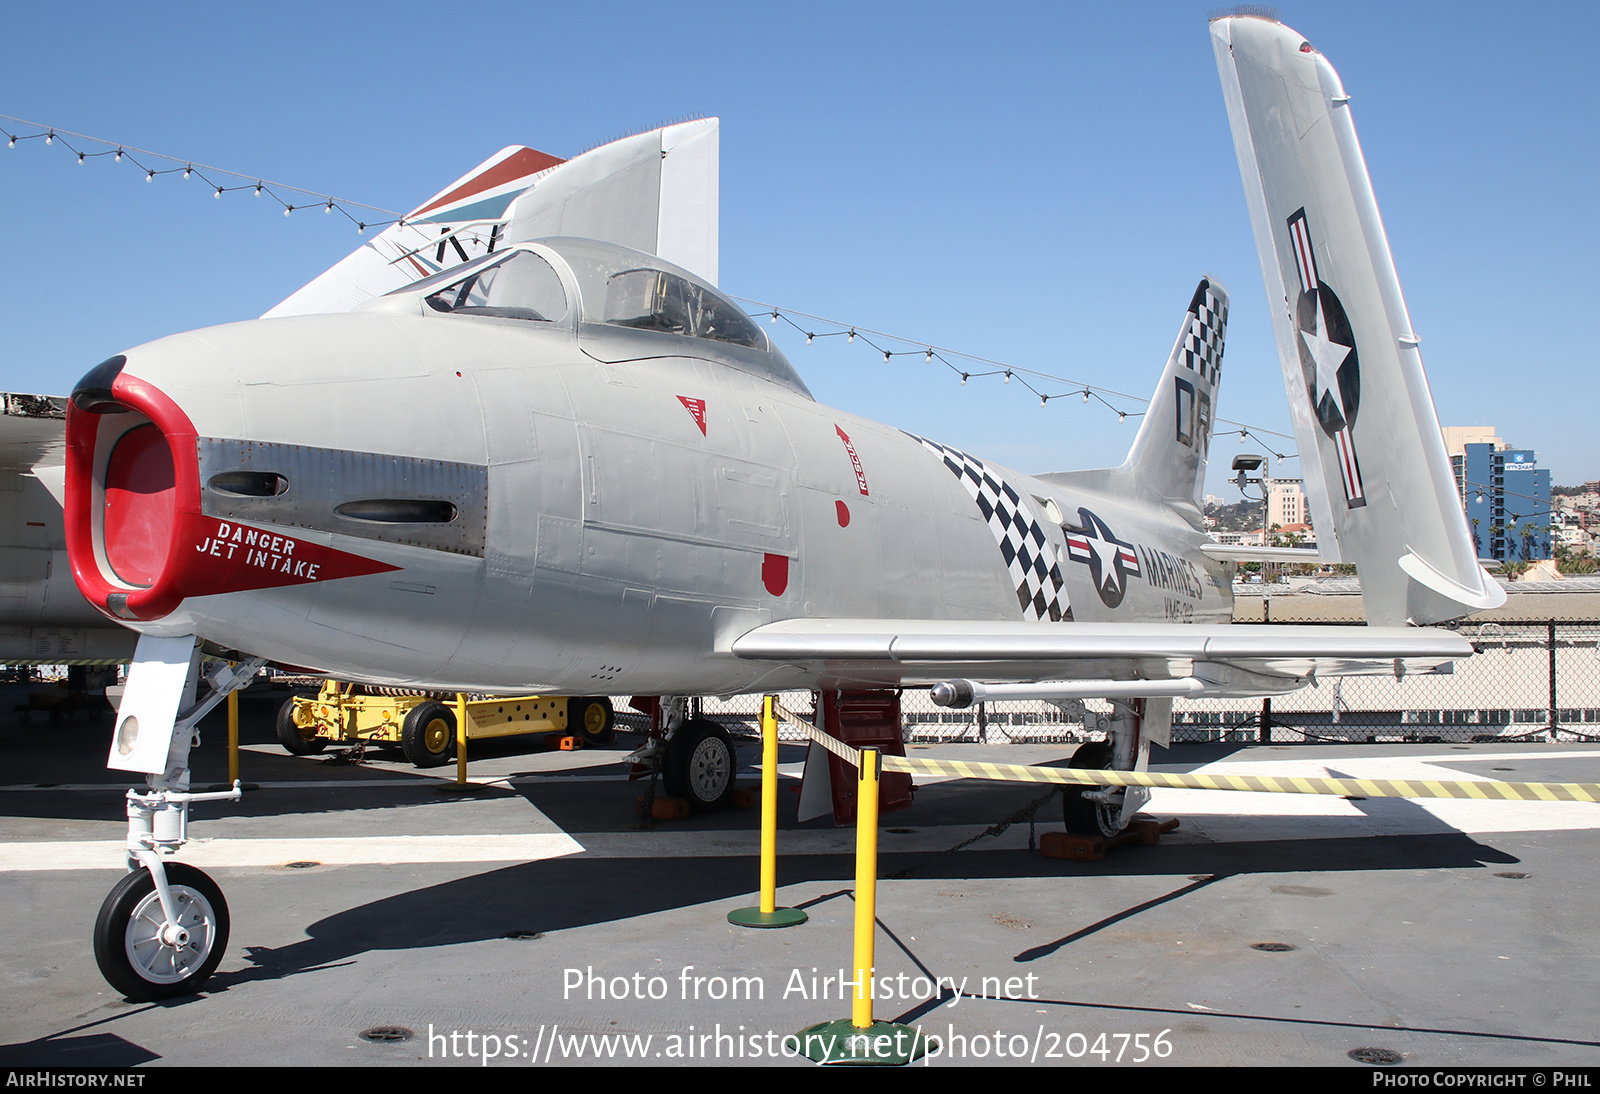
{"x":1520,"y":523}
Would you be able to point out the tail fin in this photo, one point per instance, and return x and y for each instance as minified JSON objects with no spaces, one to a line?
{"x":1381,"y":489}
{"x":462,"y":221}
{"x":654,"y":192}
{"x":1168,"y":457}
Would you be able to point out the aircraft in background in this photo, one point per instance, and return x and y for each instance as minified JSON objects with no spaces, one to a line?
{"x":571,"y":466}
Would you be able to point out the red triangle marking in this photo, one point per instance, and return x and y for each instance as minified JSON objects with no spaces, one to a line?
{"x":697,"y":411}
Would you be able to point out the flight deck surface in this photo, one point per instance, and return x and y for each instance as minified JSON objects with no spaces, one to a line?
{"x":510,"y":919}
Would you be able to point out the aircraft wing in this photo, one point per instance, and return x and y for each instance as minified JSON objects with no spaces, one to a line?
{"x":1228,"y":660}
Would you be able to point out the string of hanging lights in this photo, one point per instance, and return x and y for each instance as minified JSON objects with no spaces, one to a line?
{"x":82,"y":146}
{"x":1046,"y":386}
{"x":969,"y":366}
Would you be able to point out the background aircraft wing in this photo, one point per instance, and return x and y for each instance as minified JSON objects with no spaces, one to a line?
{"x":1222,"y":660}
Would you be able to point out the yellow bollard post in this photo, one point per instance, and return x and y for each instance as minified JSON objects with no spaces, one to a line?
{"x":768,"y":914}
{"x":233,"y":737}
{"x":866,"y":884}
{"x":860,"y":1040}
{"x":461,"y":739}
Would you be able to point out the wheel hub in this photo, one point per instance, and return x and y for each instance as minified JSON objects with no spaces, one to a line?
{"x":165,"y":953}
{"x":437,"y":737}
{"x":709,"y":770}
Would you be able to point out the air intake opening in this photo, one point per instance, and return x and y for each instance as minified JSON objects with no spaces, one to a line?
{"x":140,"y":505}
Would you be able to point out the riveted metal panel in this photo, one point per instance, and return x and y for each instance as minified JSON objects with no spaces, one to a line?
{"x":319,"y":480}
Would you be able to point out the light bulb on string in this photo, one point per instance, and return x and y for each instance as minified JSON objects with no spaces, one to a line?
{"x":188,"y":170}
{"x":361,"y":228}
{"x":328,"y":208}
{"x":258,"y":189}
{"x":150,"y":176}
{"x":852,"y":339}
{"x":963,"y":379}
{"x":930,"y":354}
{"x":1008,"y":376}
{"x":1122,"y":415}
{"x":287,"y":209}
{"x":13,"y":143}
{"x":774,"y":319}
{"x":809,"y":337}
{"x":118,"y":157}
{"x":1086,"y":395}
{"x":886,"y":357}
{"x":218,"y":194}
{"x":80,"y":157}
{"x":50,"y":136}
{"x":1043,"y":399}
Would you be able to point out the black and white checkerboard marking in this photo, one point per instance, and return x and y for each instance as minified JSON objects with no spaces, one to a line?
{"x":1203,"y":336}
{"x":1031,"y":559}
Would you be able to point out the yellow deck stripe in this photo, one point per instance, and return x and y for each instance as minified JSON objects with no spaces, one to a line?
{"x":1270,"y":784}
{"x":1266,"y":784}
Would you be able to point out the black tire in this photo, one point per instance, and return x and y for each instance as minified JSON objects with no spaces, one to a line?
{"x":592,"y":719}
{"x":428,"y":735}
{"x":1083,"y":816}
{"x":701,"y":765}
{"x":127,"y":942}
{"x":296,"y":739}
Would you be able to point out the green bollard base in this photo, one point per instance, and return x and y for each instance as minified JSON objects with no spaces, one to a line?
{"x":778,"y":917}
{"x":882,"y":1044}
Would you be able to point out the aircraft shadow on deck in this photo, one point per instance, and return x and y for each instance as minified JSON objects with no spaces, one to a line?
{"x":537,"y":898}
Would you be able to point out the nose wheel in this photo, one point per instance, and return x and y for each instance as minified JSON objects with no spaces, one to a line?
{"x":146,"y":957}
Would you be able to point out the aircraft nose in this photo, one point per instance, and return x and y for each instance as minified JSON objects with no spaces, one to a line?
{"x":132,"y":492}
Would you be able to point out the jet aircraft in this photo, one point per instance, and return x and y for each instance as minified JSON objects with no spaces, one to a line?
{"x":572,"y":466}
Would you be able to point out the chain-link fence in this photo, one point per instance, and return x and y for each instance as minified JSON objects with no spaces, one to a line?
{"x":1538,"y":682}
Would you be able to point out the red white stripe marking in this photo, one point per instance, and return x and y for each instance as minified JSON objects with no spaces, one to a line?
{"x":1304,"y":259}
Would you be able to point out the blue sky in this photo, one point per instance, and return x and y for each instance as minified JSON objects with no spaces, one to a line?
{"x":1042,"y":185}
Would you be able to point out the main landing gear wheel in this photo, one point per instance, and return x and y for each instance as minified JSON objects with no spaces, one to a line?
{"x":701,"y":765}
{"x":428,"y":735}
{"x":592,"y":719}
{"x":1084,"y":816}
{"x":141,"y":957}
{"x":297,"y":739}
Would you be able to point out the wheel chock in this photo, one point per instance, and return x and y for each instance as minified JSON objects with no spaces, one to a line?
{"x":561,"y":742}
{"x":744,"y":797}
{"x":1142,"y":830}
{"x":666,"y":808}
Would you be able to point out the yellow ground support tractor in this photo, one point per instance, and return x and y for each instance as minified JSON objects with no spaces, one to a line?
{"x":424,"y":725}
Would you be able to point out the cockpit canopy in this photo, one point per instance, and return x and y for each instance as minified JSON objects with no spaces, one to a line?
{"x":629,"y":305}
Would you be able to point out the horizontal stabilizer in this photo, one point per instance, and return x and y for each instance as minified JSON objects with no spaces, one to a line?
{"x":1238,"y":552}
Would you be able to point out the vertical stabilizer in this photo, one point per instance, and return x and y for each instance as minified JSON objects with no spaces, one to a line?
{"x":1168,"y":457}
{"x":656,"y":192}
{"x":459,"y":222}
{"x":1373,"y":457}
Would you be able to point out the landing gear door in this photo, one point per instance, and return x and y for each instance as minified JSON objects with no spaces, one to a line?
{"x":162,"y":678}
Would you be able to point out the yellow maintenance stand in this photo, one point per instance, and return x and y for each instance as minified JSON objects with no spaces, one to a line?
{"x":424,"y":725}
